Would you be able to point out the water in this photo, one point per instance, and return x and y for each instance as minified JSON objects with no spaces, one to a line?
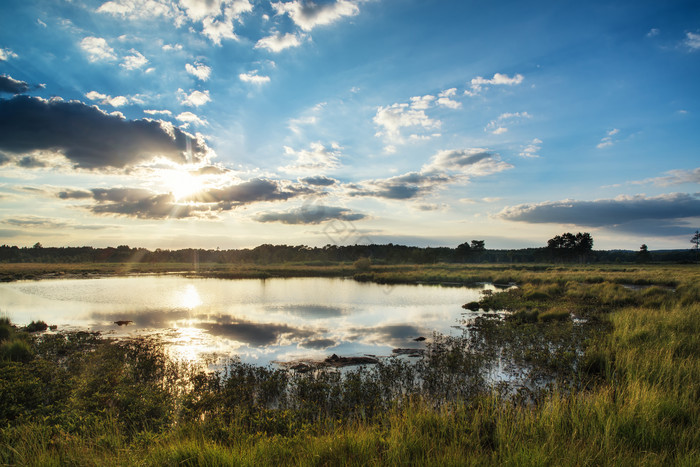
{"x":259,"y":320}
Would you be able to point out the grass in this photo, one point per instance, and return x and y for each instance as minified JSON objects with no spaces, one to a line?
{"x":618,"y":386}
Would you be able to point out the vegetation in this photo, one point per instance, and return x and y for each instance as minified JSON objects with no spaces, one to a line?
{"x":596,"y":372}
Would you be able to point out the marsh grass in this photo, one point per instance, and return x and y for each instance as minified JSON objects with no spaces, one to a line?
{"x":597,"y":374}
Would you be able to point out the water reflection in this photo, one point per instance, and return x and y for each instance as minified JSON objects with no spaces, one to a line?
{"x":258,"y":320}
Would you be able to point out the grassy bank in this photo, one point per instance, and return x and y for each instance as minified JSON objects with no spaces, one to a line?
{"x":600,"y":374}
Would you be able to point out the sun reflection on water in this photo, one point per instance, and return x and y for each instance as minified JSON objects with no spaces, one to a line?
{"x":189,"y":297}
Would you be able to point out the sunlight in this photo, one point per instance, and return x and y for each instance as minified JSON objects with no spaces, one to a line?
{"x":189,"y":298}
{"x":181,"y":183}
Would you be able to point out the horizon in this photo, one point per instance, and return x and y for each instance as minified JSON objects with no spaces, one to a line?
{"x":235,"y":123}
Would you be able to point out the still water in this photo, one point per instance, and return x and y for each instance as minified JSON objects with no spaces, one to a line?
{"x":258,"y":320}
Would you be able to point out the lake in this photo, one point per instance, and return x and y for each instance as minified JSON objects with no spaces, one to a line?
{"x":259,"y":320}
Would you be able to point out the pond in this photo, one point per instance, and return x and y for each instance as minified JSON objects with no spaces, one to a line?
{"x":259,"y":320}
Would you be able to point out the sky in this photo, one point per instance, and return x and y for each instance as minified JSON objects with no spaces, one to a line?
{"x":233,"y":123}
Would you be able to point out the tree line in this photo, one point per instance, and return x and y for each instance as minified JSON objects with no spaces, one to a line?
{"x":567,"y":247}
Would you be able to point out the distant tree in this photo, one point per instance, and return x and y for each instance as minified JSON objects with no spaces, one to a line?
{"x":695,"y":240}
{"x":462,"y":252}
{"x":38,"y":245}
{"x":643,"y":254}
{"x":478,"y":245}
{"x":568,"y":246}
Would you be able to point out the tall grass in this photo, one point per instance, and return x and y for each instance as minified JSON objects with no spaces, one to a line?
{"x":621,"y":386}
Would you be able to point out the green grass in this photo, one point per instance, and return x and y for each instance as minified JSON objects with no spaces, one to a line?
{"x":620,"y":387}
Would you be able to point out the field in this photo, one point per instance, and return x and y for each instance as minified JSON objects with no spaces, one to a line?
{"x":599,"y":373}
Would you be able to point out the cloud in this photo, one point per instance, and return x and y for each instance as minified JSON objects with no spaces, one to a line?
{"x":256,"y":334}
{"x":36,"y":222}
{"x":6,"y":54}
{"x":312,"y":214}
{"x":445,"y":167}
{"x":10,"y":85}
{"x":134,"y":61}
{"x":608,"y":141}
{"x":318,"y":344}
{"x":478,"y":84}
{"x":319,"y":180}
{"x":253,"y":77}
{"x":278,"y":42}
{"x":391,"y":119}
{"x":169,"y":47}
{"x":532,"y":149}
{"x":194,"y":98}
{"x":422,"y":102}
{"x":189,"y":117}
{"x":157,"y":112}
{"x":692,"y":41}
{"x":307,"y":14}
{"x":199,"y":70}
{"x":143,"y":203}
{"x":117,"y":101}
{"x":471,"y":162}
{"x":97,"y":49}
{"x":608,"y":212}
{"x":216,"y":17}
{"x":445,"y":99}
{"x":498,"y":127}
{"x":653,"y":32}
{"x":89,"y":137}
{"x":674,"y":177}
{"x":31,"y":162}
{"x":317,"y":158}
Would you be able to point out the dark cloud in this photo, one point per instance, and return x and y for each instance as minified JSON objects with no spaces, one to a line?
{"x":31,"y":162}
{"x":255,"y":190}
{"x":75,"y":194}
{"x":4,"y":158}
{"x":320,"y":180}
{"x":210,"y":170}
{"x":623,"y":213}
{"x":257,"y":334}
{"x":34,"y":221}
{"x":318,"y":344}
{"x":397,"y":335}
{"x":312,"y":214}
{"x":12,"y":86}
{"x":407,"y":186}
{"x":312,"y":311}
{"x":90,"y":138}
{"x":146,"y":204}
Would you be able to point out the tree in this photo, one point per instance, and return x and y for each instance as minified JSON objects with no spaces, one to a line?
{"x":643,"y":255}
{"x":695,"y":240}
{"x":568,"y":246}
{"x":478,"y":245}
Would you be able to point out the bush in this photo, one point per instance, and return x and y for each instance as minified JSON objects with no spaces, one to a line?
{"x":36,"y":326}
{"x":16,"y":350}
{"x":363,"y":264}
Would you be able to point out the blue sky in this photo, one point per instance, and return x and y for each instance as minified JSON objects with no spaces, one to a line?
{"x":231,"y":123}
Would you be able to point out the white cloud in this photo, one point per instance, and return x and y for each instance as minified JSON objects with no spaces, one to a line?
{"x":470,"y":161}
{"x":393,"y":118}
{"x":134,"y":61}
{"x":193,"y":99}
{"x":692,"y":41}
{"x":157,"y":112}
{"x":445,"y":99}
{"x":97,"y":49}
{"x":189,"y":117}
{"x":135,"y":9}
{"x":422,"y":102}
{"x":217,"y":30}
{"x":653,"y":32}
{"x":198,"y":70}
{"x":253,"y":77}
{"x":308,"y":15}
{"x":116,"y":101}
{"x":532,"y":149}
{"x":6,"y":54}
{"x":479,"y":83}
{"x":608,"y":141}
{"x":168,"y":47}
{"x":40,"y":23}
{"x":674,"y":177}
{"x":497,"y":126}
{"x":316,"y":159}
{"x":278,"y":42}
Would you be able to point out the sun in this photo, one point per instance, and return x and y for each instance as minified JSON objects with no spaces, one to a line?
{"x":182,"y":183}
